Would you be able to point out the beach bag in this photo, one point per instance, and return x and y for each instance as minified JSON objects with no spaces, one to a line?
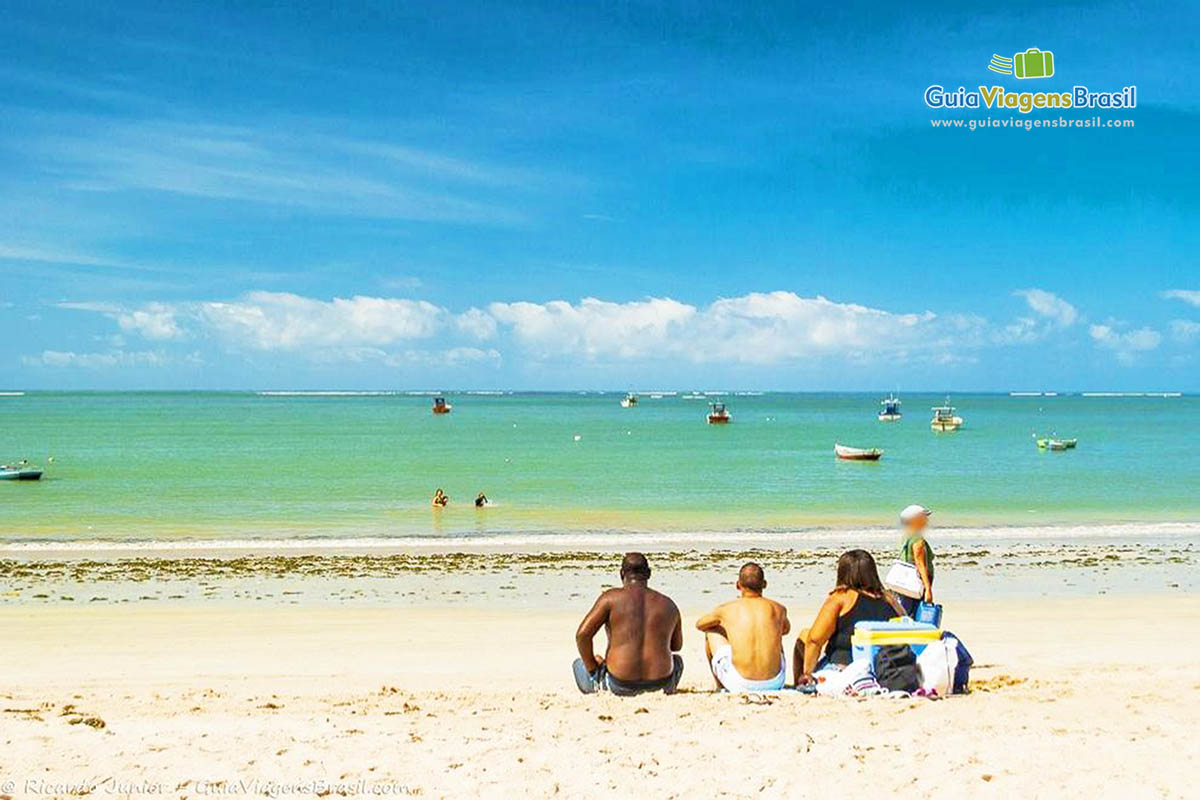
{"x":904,"y":579}
{"x":930,"y":613}
{"x":962,"y":671}
{"x":834,"y":681}
{"x":938,"y":663}
{"x":896,"y":668}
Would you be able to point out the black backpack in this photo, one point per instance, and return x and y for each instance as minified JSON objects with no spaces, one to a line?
{"x":896,"y":668}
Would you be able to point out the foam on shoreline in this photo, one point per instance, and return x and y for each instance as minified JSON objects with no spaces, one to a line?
{"x":599,"y":540}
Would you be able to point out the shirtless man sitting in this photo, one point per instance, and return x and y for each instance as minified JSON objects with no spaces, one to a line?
{"x":744,"y":637}
{"x":644,"y":635}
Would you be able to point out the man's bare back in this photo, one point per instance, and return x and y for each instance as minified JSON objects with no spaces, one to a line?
{"x":752,"y":626}
{"x":643,"y":628}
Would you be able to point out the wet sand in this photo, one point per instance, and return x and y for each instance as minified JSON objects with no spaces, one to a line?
{"x":485,"y":574}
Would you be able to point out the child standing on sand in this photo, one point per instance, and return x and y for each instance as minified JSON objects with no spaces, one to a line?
{"x":916,"y":551}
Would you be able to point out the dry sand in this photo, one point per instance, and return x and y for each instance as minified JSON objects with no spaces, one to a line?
{"x":233,"y":699}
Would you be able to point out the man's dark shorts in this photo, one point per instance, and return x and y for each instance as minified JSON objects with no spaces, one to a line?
{"x":601,"y":681}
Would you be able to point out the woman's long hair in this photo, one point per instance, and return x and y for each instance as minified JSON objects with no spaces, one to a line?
{"x":856,"y":570}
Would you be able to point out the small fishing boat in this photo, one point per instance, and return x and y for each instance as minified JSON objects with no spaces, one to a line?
{"x":19,"y":472}
{"x":718,"y":414}
{"x":891,"y":409}
{"x":856,"y":453}
{"x":1054,"y":443}
{"x":629,"y":401}
{"x":440,"y":406}
{"x":944,"y":418}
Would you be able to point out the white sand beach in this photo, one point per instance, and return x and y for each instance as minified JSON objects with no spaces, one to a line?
{"x":1079,"y":697}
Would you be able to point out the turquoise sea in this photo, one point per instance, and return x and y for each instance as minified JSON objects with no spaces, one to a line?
{"x":171,"y":466}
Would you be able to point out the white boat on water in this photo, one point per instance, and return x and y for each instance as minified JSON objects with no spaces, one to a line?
{"x":629,"y":400}
{"x":1054,"y":443}
{"x":891,"y":409}
{"x":944,"y":418}
{"x":21,"y":471}
{"x":856,"y":453}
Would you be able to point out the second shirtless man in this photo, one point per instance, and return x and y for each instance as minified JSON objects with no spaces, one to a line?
{"x":744,"y":637}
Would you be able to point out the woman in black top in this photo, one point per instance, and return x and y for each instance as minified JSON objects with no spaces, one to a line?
{"x":858,"y":596}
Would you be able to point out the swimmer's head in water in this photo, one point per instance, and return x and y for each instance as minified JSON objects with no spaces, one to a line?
{"x":635,"y":567}
{"x":751,"y":577}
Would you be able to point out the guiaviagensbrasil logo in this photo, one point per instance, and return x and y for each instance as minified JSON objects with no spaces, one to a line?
{"x":1033,"y":63}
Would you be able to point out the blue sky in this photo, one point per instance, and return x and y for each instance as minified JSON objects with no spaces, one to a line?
{"x":243,"y":195}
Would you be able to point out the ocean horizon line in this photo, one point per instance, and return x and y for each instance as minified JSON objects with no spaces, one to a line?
{"x":664,"y":393}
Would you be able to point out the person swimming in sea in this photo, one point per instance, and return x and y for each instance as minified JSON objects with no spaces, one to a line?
{"x":440,"y":500}
{"x":481,"y":500}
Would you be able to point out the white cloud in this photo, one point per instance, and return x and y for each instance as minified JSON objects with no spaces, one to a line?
{"x":757,"y":328}
{"x":103,"y":360}
{"x":1189,"y":296}
{"x":283,"y":321}
{"x":595,"y":328}
{"x":1050,"y":306}
{"x":154,"y":321}
{"x":356,"y":330}
{"x":1023,"y":330}
{"x":151,"y":321}
{"x":1125,"y":344}
{"x":1185,"y":330}
{"x":477,"y":324}
{"x":111,"y":309}
{"x":782,"y":326}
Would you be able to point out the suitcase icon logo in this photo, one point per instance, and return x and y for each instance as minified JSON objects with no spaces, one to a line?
{"x":1033,"y":63}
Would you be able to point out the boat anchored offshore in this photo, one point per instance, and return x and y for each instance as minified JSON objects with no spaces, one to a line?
{"x":440,"y":406}
{"x":21,"y":471}
{"x":1054,"y":443}
{"x":944,"y":418}
{"x":891,"y":409}
{"x":856,"y":453}
{"x":718,"y":414}
{"x":629,"y":400}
